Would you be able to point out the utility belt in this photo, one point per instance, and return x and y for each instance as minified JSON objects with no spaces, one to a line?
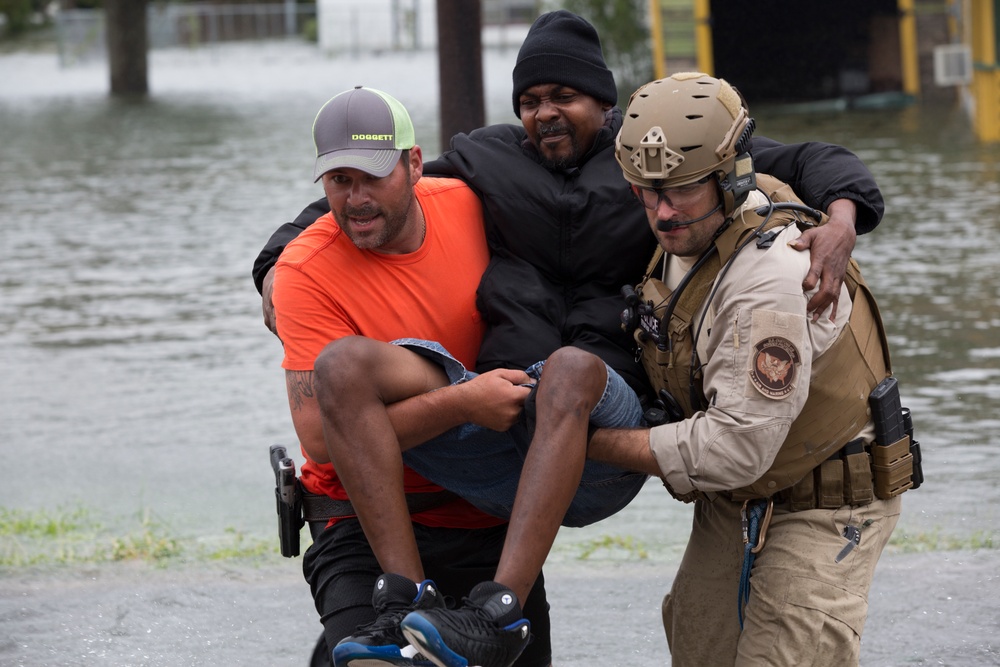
{"x":849,"y":477}
{"x":860,"y":471}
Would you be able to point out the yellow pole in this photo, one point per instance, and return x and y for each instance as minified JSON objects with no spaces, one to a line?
{"x":656,"y":27}
{"x":908,"y":48}
{"x":985,"y":70}
{"x":984,"y":38}
{"x":703,"y":36}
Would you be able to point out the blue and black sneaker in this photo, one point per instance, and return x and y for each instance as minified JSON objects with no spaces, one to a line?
{"x":381,"y":642}
{"x":487,"y":631}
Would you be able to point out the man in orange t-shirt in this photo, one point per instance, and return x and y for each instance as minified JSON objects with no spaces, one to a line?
{"x":399,"y":256}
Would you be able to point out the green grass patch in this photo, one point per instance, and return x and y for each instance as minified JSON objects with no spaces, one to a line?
{"x":75,"y":536}
{"x":40,"y":524}
{"x":149,"y":543}
{"x":906,"y":541}
{"x":627,"y":548}
{"x":235,"y":545}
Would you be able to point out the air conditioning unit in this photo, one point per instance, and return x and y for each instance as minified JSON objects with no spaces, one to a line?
{"x":952,"y":65}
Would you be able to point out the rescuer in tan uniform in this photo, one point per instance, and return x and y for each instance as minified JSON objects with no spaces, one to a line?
{"x":767,"y":423}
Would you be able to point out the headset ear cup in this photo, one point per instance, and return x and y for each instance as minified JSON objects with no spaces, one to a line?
{"x":726,"y":193}
{"x":738,"y":183}
{"x":725,"y":182}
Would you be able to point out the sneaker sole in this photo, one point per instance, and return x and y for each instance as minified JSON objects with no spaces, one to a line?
{"x":428,"y":641}
{"x":352,"y":654}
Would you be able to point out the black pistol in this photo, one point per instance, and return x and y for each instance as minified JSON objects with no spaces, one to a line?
{"x":289,"y":501}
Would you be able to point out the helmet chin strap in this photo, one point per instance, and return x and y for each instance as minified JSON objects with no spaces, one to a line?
{"x":667,"y":226}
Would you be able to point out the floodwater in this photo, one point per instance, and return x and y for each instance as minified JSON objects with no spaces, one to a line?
{"x":137,"y":377}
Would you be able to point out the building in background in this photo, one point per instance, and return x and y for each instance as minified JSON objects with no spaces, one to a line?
{"x":847,"y":54}
{"x":357,"y":27}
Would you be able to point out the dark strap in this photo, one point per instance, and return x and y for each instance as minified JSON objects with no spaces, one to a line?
{"x":323,"y":508}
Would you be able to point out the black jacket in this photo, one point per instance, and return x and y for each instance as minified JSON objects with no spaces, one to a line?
{"x":564,"y":242}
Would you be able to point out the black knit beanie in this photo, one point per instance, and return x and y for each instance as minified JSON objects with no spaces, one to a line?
{"x":563,"y":48}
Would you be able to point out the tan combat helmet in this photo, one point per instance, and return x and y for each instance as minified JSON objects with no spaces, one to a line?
{"x":683,"y":128}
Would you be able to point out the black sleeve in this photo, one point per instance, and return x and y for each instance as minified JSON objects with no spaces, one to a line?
{"x":465,"y":151}
{"x":280,"y":238}
{"x":441,"y":167}
{"x":821,"y":173}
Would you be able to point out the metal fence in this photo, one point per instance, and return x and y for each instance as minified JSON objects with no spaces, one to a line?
{"x":354,"y":27}
{"x":81,"y":37}
{"x":196,"y":24}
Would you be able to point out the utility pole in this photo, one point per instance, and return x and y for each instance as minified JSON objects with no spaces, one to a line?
{"x":125,"y":28}
{"x":460,"y":67}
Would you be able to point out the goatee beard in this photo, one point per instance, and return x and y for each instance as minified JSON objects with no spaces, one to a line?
{"x":562,"y":162}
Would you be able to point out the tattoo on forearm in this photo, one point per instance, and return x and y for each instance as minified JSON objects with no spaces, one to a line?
{"x":300,"y":387}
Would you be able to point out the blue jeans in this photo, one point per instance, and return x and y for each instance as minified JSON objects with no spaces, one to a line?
{"x":484,"y":466}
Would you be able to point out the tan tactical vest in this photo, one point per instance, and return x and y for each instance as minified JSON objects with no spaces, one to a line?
{"x":842,"y":378}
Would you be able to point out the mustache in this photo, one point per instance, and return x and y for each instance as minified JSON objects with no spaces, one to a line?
{"x":554,"y":128}
{"x":366,"y":211}
{"x":673,"y":223}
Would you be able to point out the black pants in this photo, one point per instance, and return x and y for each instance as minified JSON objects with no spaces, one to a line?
{"x":341,"y":570}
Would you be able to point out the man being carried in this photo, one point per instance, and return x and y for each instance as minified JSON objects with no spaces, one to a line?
{"x":400,"y":255}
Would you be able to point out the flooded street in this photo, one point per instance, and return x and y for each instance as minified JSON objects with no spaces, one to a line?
{"x":139,"y":381}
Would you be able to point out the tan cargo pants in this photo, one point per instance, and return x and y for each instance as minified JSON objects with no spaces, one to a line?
{"x":804,"y":608}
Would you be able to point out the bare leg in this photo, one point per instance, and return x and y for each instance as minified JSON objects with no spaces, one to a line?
{"x":355,"y":379}
{"x":572,"y":383}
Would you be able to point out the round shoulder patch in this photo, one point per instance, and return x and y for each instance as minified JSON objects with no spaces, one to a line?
{"x":774,"y":364}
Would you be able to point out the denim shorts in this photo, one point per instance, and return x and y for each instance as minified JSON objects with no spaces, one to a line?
{"x":484,"y":466}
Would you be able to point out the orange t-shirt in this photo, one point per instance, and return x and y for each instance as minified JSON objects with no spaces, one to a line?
{"x":326,"y":288}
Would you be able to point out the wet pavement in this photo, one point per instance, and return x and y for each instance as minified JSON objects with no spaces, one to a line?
{"x":937,"y":608}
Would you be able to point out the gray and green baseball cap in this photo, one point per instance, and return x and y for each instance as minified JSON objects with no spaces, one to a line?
{"x":364,"y":129}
